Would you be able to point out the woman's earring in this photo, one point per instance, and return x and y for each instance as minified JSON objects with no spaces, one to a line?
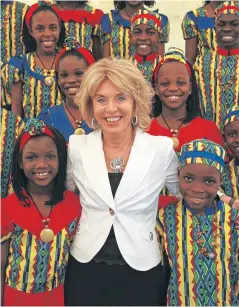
{"x":134,"y":120}
{"x":93,"y":122}
{"x":21,"y":166}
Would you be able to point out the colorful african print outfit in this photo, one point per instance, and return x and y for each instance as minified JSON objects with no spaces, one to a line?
{"x":217,"y":76}
{"x":230,"y":179}
{"x":33,"y":266}
{"x":12,"y":15}
{"x":56,"y":117}
{"x":82,"y":24}
{"x":146,"y":66}
{"x":36,"y":94}
{"x":115,"y":28}
{"x":11,"y":127}
{"x":198,"y":24}
{"x":197,"y":280}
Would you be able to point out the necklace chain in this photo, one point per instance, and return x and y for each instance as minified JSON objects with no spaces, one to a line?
{"x":48,"y":70}
{"x":67,"y":9}
{"x":47,"y":220}
{"x":127,"y":13}
{"x":174,"y":131}
{"x":78,"y":122}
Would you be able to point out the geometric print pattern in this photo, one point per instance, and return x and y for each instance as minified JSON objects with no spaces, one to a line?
{"x":230,"y":179}
{"x":195,"y":279}
{"x":34,"y":266}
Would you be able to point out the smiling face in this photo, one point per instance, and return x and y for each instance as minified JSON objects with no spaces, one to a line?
{"x":40,"y":161}
{"x":70,"y":72}
{"x":173,"y":85}
{"x":231,"y":135}
{"x":227,"y":31}
{"x":145,"y":39}
{"x":198,"y":185}
{"x":113,"y":109}
{"x":45,"y":29}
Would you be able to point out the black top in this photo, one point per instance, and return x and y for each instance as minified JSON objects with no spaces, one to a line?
{"x":110,"y":252}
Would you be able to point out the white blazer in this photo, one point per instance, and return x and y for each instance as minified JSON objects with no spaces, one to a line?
{"x":152,"y":164}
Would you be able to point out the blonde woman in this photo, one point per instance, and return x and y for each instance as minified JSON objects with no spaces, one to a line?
{"x":120,"y":171}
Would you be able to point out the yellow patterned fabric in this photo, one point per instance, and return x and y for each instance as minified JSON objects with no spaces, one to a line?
{"x":11,"y":127}
{"x":217,"y":75}
{"x":227,"y":7}
{"x":198,"y":280}
{"x":230,"y":179}
{"x":153,"y":19}
{"x":198,"y":24}
{"x":202,"y":151}
{"x":36,"y":94}
{"x":232,"y":115}
{"x":12,"y":16}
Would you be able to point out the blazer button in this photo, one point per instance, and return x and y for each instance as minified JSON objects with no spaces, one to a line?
{"x":111,"y":212}
{"x":151,"y":236}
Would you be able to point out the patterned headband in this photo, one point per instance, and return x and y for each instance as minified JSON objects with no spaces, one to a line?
{"x":229,"y":7}
{"x":34,"y":127}
{"x":32,"y":9}
{"x":202,"y":151}
{"x":72,"y":44}
{"x":173,"y":54}
{"x":232,"y":115}
{"x":146,"y":17}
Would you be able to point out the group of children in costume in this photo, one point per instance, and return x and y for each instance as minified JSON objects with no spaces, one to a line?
{"x":197,"y":106}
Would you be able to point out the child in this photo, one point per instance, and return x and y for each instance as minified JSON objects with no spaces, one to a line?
{"x":198,"y":31}
{"x":146,"y":30}
{"x":30,"y":79}
{"x":82,"y":22}
{"x":230,"y":182}
{"x":218,"y":72}
{"x":12,"y":14}
{"x":11,"y":127}
{"x":115,"y":28}
{"x":71,"y":63}
{"x":38,"y":221}
{"x":200,"y":232}
{"x":176,"y":104}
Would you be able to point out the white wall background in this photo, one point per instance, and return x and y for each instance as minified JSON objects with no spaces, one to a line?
{"x":174,"y":9}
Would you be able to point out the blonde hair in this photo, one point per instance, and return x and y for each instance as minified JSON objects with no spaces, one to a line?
{"x":126,"y":77}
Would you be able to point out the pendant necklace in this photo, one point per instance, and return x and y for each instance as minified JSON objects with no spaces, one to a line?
{"x":117,"y":165}
{"x":174,"y":132}
{"x":127,"y":13}
{"x":78,"y":130}
{"x":78,"y":5}
{"x":49,"y":81}
{"x":47,"y":234}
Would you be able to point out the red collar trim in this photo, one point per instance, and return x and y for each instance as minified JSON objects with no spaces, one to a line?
{"x":150,"y":58}
{"x":227,"y":52}
{"x":92,"y":18}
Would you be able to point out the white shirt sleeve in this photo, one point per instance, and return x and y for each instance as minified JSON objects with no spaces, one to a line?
{"x":70,"y":183}
{"x":172,"y":181}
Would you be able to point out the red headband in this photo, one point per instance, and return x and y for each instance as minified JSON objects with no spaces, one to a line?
{"x":147,"y":16}
{"x":32,"y":10}
{"x":162,"y":61}
{"x":83,"y":51}
{"x":26,"y":136}
{"x":228,"y":7}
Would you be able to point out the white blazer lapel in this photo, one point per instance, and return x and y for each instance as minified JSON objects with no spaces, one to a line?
{"x":140,"y":159}
{"x":93,"y":161}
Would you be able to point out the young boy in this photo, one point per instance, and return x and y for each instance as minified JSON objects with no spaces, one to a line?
{"x":200,"y":232}
{"x":218,"y":72}
{"x":230,"y":182}
{"x":146,"y":30}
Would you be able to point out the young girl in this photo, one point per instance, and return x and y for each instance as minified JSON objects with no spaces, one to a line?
{"x":176,"y":104}
{"x":71,"y":63}
{"x":30,"y":79}
{"x":199,"y":232}
{"x":115,"y":28}
{"x":11,"y":127}
{"x":82,"y":22}
{"x":38,"y":221}
{"x":146,"y":30}
{"x":230,"y":182}
{"x":12,"y":14}
{"x":218,"y":72}
{"x":198,"y":31}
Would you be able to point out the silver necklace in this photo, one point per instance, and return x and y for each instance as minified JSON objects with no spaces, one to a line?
{"x":117,"y":165}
